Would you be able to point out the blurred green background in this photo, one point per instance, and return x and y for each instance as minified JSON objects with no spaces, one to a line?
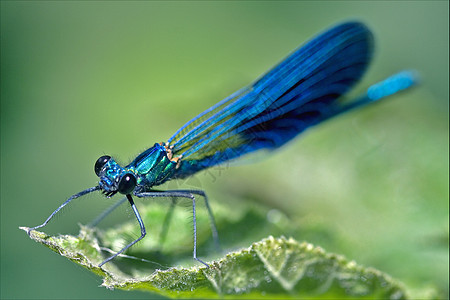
{"x":83,"y":79}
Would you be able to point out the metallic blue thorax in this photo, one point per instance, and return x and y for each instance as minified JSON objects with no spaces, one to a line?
{"x":152,"y":167}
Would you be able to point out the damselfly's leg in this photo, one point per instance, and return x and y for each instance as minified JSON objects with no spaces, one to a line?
{"x":106,"y":212}
{"x":143,"y":232}
{"x":82,"y":193}
{"x":182,"y":194}
{"x":212,"y":221}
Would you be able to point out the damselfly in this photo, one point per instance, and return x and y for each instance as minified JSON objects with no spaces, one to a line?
{"x":303,"y":90}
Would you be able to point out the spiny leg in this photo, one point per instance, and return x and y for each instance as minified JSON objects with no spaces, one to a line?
{"x":143,"y":232}
{"x":82,"y":193}
{"x":195,"y":233}
{"x":212,"y":221}
{"x":183,"y":194}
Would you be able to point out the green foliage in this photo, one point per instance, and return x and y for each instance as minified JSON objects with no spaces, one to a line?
{"x":271,"y":268}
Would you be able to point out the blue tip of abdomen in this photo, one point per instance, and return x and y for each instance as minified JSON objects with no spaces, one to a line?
{"x":393,"y":84}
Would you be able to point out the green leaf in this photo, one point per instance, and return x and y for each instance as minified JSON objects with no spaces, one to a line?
{"x":270,"y":268}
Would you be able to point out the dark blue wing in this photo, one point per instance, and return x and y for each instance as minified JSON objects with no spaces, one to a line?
{"x":296,"y":94}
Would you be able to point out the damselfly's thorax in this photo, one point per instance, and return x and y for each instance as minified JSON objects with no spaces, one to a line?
{"x":152,"y":167}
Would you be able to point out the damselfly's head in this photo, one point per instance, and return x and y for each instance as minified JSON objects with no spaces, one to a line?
{"x":113,"y":178}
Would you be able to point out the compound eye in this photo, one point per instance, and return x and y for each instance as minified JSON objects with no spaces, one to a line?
{"x":100,"y":163}
{"x":127,"y":184}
